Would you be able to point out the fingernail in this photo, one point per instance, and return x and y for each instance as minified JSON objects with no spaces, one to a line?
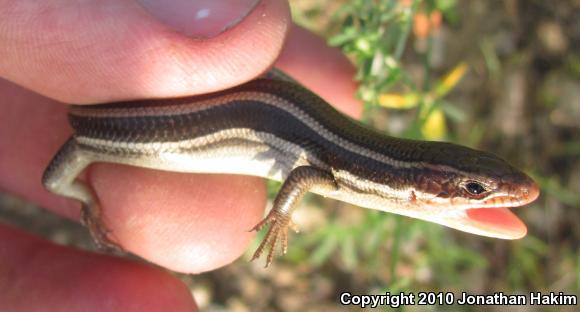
{"x":200,"y":18}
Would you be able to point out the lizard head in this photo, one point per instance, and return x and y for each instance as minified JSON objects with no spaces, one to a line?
{"x":472,"y":190}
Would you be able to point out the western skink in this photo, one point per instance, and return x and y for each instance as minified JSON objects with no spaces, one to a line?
{"x":275,"y":128}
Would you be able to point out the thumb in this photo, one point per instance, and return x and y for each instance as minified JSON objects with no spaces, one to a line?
{"x":99,"y":51}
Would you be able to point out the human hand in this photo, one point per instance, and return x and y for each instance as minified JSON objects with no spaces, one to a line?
{"x":102,"y":51}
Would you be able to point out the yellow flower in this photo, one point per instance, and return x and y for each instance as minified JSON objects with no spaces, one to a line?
{"x":435,"y":127}
{"x":450,"y":80}
{"x":396,"y":101}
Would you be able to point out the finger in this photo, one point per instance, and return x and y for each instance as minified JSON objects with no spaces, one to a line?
{"x":185,"y":222}
{"x":308,"y":59}
{"x":99,"y":51}
{"x":35,"y":274}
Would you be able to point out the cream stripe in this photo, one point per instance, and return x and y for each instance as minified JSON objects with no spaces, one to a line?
{"x":235,"y":133}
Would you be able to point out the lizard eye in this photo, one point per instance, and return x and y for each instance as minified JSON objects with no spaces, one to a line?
{"x":474,"y":188}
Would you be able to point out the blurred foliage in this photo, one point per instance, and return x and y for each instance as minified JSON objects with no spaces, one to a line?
{"x":392,"y":44}
{"x":375,"y":35}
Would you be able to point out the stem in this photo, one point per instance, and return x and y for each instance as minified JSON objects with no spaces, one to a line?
{"x":405,"y":35}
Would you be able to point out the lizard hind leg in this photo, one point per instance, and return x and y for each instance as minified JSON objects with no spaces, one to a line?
{"x":299,"y":181}
{"x":61,"y":177}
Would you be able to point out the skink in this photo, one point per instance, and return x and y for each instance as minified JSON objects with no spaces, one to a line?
{"x":275,"y":128}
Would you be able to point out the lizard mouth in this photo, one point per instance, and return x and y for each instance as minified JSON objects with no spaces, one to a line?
{"x":495,"y":218}
{"x":494,"y":222}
